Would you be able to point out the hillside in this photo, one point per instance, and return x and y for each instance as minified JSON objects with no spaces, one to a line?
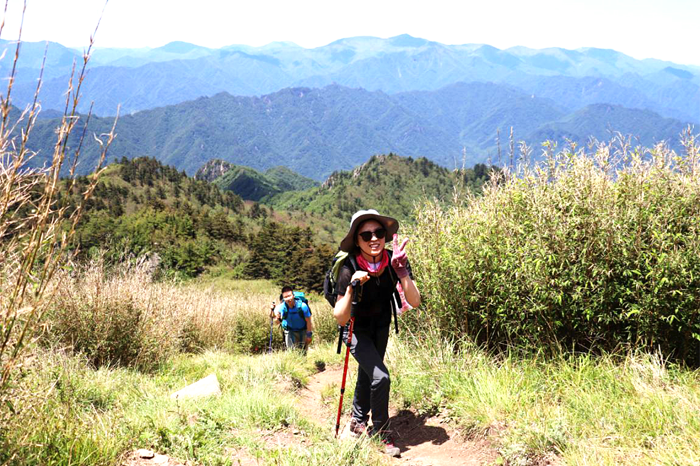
{"x":250,"y":184}
{"x":601,"y":120}
{"x":391,"y":184}
{"x":318,"y":131}
{"x":141,"y":207}
{"x":193,"y":227}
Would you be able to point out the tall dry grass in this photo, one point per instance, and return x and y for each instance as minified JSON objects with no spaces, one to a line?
{"x":35,"y":230}
{"x":121,"y":316}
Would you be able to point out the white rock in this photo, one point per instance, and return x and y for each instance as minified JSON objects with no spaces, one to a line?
{"x":208,"y":386}
{"x":143,"y":453}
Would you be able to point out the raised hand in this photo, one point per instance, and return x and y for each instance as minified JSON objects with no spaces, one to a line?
{"x":399,"y":257}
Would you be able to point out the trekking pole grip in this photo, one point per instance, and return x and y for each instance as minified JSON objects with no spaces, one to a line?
{"x":356,"y":295}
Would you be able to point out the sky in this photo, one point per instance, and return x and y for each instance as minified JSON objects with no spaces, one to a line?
{"x":663,"y":29}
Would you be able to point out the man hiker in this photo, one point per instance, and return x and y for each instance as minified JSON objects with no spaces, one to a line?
{"x":294,"y":315}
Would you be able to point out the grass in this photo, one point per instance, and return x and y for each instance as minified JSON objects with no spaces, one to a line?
{"x":609,"y":410}
{"x":590,"y":249}
{"x":89,"y":416}
{"x":35,"y":230}
{"x":614,"y":409}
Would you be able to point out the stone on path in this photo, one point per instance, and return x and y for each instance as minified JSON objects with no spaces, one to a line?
{"x":143,"y":453}
{"x":208,"y":386}
{"x":144,"y":457}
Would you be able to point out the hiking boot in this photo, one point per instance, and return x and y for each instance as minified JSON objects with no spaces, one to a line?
{"x":389,"y":447}
{"x":357,"y":428}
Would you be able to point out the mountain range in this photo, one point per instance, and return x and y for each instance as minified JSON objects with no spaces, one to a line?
{"x":315,"y":132}
{"x":139,"y":79}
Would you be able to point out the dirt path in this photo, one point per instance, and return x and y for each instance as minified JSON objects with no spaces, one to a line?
{"x":423,"y":440}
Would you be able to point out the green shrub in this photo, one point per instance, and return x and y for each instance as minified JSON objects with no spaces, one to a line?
{"x":584,"y":251}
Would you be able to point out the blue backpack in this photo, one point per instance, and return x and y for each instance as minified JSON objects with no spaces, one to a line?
{"x":299,"y":296}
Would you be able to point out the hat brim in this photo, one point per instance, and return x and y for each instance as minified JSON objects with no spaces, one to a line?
{"x":390,"y":224}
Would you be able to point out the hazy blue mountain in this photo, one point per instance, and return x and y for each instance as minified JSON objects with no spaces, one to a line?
{"x":475,"y":111}
{"x":602,"y":121}
{"x":575,"y":93}
{"x":315,"y":132}
{"x":676,"y":93}
{"x":59,"y":60}
{"x":132,"y":58}
{"x":146,"y":78}
{"x":429,"y":67}
{"x":159,"y":84}
{"x":581,"y":62}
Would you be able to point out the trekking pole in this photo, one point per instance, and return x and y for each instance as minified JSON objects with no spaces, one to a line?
{"x":340,"y":339}
{"x":355,"y":300}
{"x":272,"y":308}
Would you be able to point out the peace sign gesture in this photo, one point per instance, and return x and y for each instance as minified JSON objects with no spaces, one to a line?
{"x":399,"y":257}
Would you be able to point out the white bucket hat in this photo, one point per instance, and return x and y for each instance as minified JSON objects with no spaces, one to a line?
{"x":390,"y":224}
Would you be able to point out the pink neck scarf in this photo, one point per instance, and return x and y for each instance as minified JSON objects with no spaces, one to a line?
{"x":373,"y":267}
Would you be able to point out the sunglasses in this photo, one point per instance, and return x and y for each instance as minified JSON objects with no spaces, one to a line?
{"x":380,"y":233}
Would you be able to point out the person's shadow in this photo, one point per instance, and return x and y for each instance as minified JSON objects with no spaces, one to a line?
{"x":410,"y":430}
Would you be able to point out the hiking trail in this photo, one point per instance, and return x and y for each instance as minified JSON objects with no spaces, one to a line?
{"x":423,"y":440}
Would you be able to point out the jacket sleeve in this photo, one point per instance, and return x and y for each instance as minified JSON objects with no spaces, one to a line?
{"x":344,"y":277}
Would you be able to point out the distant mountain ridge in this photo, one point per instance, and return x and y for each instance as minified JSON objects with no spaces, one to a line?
{"x":139,"y":79}
{"x":315,"y":132}
{"x":392,"y":184}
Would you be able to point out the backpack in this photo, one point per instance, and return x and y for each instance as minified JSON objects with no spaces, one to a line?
{"x":330,"y":283}
{"x":298,"y":296}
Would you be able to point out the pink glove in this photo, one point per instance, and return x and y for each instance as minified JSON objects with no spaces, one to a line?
{"x":399,"y":258}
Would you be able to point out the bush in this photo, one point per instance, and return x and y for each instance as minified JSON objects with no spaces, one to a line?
{"x":584,"y":251}
{"x":115,"y":317}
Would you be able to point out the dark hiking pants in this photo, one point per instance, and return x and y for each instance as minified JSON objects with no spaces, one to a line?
{"x":295,"y":339}
{"x":372,"y":387}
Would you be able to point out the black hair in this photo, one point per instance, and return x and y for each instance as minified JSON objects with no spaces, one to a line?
{"x":286,"y":288}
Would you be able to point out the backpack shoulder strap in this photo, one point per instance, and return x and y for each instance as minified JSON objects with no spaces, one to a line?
{"x":352,"y":261}
{"x":394,"y":277}
{"x":338,"y":262}
{"x":301,"y":301}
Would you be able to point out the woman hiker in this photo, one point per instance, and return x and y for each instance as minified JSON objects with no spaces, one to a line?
{"x":378,"y":272}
